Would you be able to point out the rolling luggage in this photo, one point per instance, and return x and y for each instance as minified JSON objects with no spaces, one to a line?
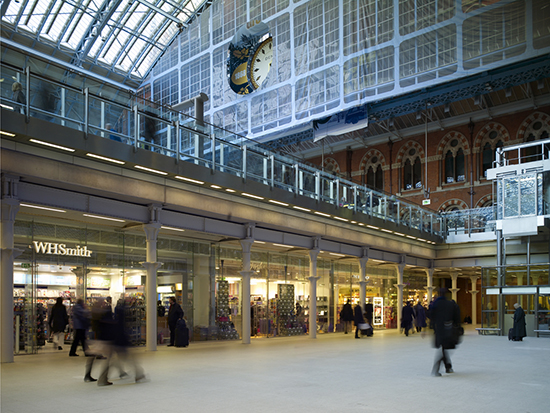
{"x":182,"y":334}
{"x":510,"y":334}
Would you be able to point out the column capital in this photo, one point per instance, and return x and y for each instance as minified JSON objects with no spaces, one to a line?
{"x":313,"y":278}
{"x":12,"y":252}
{"x":363,"y":261}
{"x":151,"y":266}
{"x":10,"y":207}
{"x":151,"y":230}
{"x":246,"y":274}
{"x":474,"y":292}
{"x":246,"y":244}
{"x":313,"y":253}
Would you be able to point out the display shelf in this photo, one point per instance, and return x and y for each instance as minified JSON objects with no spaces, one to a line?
{"x":226,"y":328}
{"x":287,"y":322}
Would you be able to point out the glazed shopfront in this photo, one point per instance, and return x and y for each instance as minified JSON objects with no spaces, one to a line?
{"x":73,"y":259}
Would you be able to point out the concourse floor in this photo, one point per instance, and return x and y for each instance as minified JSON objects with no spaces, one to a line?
{"x":333,"y":373}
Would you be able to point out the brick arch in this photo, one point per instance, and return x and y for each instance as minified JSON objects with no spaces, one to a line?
{"x":453,"y":202}
{"x":332,"y":161}
{"x":543,"y":117}
{"x":405,"y":148}
{"x":484,"y":200}
{"x":462,"y":142}
{"x":370,"y":153}
{"x":488,"y":128}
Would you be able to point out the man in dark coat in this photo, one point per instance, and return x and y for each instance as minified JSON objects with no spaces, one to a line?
{"x":369,"y":310}
{"x":346,"y":316}
{"x":519,"y":330}
{"x":58,"y":321}
{"x":81,"y":322}
{"x":445,"y":321}
{"x":174,"y":314}
{"x":358,"y":319}
{"x":407,"y":317}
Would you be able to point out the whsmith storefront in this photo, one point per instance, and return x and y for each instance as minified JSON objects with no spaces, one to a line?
{"x":70,"y":259}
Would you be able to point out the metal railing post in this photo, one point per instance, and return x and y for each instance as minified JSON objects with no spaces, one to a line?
{"x":317,"y":186}
{"x":28,"y":91}
{"x":244,"y":163}
{"x":272,"y":180}
{"x":178,"y":141}
{"x":86,"y":111}
{"x":213,"y":150}
{"x":136,"y":127}
{"x":296,"y":181}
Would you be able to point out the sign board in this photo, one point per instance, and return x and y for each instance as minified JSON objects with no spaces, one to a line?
{"x":426,"y":201}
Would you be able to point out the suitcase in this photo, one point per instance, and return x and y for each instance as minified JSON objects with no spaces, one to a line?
{"x":367,"y":332}
{"x":182,"y":334}
{"x":510,"y":336}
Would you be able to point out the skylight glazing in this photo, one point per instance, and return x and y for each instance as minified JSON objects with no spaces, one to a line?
{"x":121,"y":35}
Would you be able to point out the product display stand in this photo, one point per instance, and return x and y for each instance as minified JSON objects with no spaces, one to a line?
{"x":226,"y":329}
{"x":287,"y":323}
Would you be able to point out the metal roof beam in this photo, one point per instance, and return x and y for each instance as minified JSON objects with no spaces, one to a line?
{"x":160,"y":11}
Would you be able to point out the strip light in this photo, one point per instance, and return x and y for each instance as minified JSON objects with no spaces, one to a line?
{"x":183,"y":178}
{"x":41,"y":207}
{"x":278,"y":202}
{"x":387,"y":230}
{"x":7,"y":133}
{"x":230,"y":190}
{"x":143,"y":168}
{"x":322,"y":214}
{"x":51,"y":145}
{"x":372,"y":226}
{"x":6,"y":106}
{"x":103,"y":158}
{"x":282,"y":245}
{"x":338,"y":255}
{"x":341,"y":219}
{"x":258,"y":242}
{"x":301,"y":209}
{"x":172,"y":228}
{"x":252,"y":196}
{"x":215,"y":186}
{"x":106,"y":218}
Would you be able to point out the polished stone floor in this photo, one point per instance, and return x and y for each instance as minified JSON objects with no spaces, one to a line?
{"x":333,"y":373}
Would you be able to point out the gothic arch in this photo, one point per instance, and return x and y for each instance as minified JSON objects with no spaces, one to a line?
{"x":331,"y":165}
{"x":369,"y":155}
{"x":486,"y":200}
{"x":458,"y":203}
{"x":405,"y":149}
{"x":489,"y":127}
{"x":527,"y":123}
{"x":462,"y":143}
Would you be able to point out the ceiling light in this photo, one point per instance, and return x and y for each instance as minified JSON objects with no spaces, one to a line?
{"x":143,"y":168}
{"x":354,"y":222}
{"x":103,"y":158}
{"x":322,"y":214}
{"x":341,"y":219}
{"x":301,"y":209}
{"x":400,"y":234}
{"x":372,"y":226}
{"x":230,"y":190}
{"x":41,"y":207}
{"x":215,"y":187}
{"x":361,"y":224}
{"x":338,"y":255}
{"x":252,"y":196}
{"x":106,"y":218}
{"x":6,"y":106}
{"x":183,"y":178}
{"x":411,"y":237}
{"x":258,"y":242}
{"x":51,"y":145}
{"x":277,"y":202}
{"x":7,"y":133}
{"x":172,"y":228}
{"x":387,"y":230}
{"x":282,"y":245}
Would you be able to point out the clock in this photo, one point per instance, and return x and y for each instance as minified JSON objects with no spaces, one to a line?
{"x":250,"y":55}
{"x":259,"y":63}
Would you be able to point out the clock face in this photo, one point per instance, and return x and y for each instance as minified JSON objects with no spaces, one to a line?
{"x":260,"y":63}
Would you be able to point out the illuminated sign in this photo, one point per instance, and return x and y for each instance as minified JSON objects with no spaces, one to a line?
{"x":378,"y":306}
{"x":52,"y":248}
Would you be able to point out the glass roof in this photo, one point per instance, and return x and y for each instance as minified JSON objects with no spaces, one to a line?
{"x":122,"y":35}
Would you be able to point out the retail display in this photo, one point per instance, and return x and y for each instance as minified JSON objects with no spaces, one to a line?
{"x":286,"y":316}
{"x":226,"y":329}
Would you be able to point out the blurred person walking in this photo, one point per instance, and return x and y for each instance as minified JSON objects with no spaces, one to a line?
{"x":346,"y":316}
{"x":105,"y":336}
{"x":19,"y":97}
{"x":81,"y":322}
{"x":358,"y":319}
{"x":58,"y":322}
{"x":420,"y":319}
{"x":174,"y":314}
{"x":407,"y":315}
{"x":445,"y":321}
{"x":122,"y":343}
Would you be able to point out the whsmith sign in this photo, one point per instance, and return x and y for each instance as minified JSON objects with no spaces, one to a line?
{"x":61,"y":249}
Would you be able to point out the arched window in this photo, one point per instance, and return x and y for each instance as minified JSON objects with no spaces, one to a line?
{"x":374,"y":174}
{"x":489,"y":146}
{"x":538,"y":130}
{"x":454,"y":163}
{"x":412,"y":170}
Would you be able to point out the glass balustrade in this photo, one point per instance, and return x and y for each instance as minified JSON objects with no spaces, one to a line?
{"x":149,"y":126}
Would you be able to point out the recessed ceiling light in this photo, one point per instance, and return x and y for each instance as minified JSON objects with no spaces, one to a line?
{"x":6,"y":133}
{"x":400,"y":234}
{"x":301,"y":209}
{"x":103,"y":158}
{"x":361,"y":224}
{"x":387,"y":230}
{"x":341,"y":219}
{"x":278,"y":202}
{"x":183,"y":178}
{"x":282,"y":245}
{"x":106,"y":218}
{"x":230,"y":190}
{"x":6,"y":106}
{"x":258,"y":242}
{"x":41,"y":207}
{"x":143,"y":168}
{"x":372,"y":226}
{"x":411,"y":237}
{"x":252,"y":196}
{"x":172,"y":228}
{"x":215,"y":187}
{"x":322,"y":214}
{"x":52,"y":145}
{"x":338,"y":255}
